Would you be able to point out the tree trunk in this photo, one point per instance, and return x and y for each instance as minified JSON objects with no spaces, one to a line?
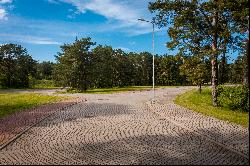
{"x":85,"y":83}
{"x":214,"y":61}
{"x":223,"y":63}
{"x":246,"y":78}
{"x":200,"y":88}
{"x":214,"y":80}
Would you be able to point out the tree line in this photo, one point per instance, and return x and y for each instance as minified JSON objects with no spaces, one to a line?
{"x":17,"y":67}
{"x":82,"y":65}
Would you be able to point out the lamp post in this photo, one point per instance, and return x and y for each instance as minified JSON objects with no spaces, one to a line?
{"x":153,"y":49}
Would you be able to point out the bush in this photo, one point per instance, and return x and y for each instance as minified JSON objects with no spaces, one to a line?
{"x":41,"y":84}
{"x":234,"y":97}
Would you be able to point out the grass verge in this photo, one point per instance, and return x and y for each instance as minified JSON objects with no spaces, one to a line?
{"x":116,"y":89}
{"x":202,"y":103}
{"x":42,"y":84}
{"x":110,"y":90}
{"x":14,"y":102}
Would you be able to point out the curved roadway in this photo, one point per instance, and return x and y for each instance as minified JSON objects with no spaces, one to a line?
{"x":126,"y":128}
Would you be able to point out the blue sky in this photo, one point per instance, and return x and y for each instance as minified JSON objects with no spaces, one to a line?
{"x":42,"y":26}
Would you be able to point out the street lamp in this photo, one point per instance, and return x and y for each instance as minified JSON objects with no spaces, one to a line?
{"x":153,"y":47}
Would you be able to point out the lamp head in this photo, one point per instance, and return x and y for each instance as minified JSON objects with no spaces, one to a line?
{"x":141,"y":19}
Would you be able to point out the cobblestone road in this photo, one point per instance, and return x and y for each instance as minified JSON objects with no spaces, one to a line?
{"x":126,"y":128}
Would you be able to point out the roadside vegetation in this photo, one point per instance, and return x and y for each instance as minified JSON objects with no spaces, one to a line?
{"x":42,"y":84}
{"x":109,"y":90}
{"x":14,"y":102}
{"x":202,"y":103}
{"x":114,"y":89}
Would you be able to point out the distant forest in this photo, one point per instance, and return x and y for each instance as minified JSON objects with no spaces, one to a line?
{"x":80,"y":67}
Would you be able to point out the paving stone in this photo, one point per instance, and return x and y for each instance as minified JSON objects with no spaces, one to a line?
{"x":126,"y":128}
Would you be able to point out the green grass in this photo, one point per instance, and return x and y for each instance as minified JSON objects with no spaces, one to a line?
{"x":111,"y":90}
{"x":202,"y":103}
{"x":116,"y":89}
{"x":37,"y":84}
{"x":42,"y":84}
{"x":14,"y":102}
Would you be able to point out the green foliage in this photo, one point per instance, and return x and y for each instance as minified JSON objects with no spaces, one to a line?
{"x":195,"y":69}
{"x":138,"y":69}
{"x":75,"y":65}
{"x":236,"y":70}
{"x":15,"y":66}
{"x":203,"y":28}
{"x":11,"y":102}
{"x":110,"y":90}
{"x":41,"y":84}
{"x":44,"y":70}
{"x":105,"y":67}
{"x":167,"y":70}
{"x":234,"y":97}
{"x":201,"y":102}
{"x":113,"y":67}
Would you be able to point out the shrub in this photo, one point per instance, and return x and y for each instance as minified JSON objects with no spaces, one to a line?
{"x":42,"y":84}
{"x":234,"y":97}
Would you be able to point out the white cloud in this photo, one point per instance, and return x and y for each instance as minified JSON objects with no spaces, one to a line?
{"x":42,"y":41}
{"x":5,"y":1}
{"x":124,"y":49}
{"x":29,"y":39}
{"x":112,"y":10}
{"x":122,"y":15}
{"x":53,"y":1}
{"x":3,"y":14}
{"x":60,"y":30}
